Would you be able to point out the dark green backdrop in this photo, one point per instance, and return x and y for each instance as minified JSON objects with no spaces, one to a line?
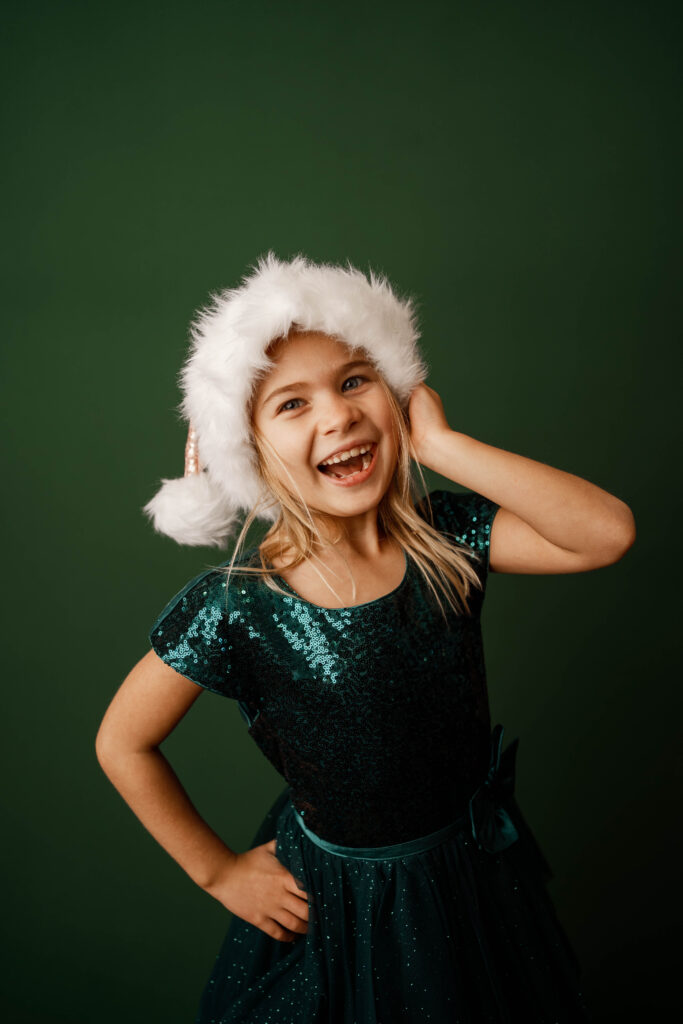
{"x":512,"y":166}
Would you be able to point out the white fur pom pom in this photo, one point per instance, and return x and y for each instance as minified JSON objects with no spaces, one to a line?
{"x":192,"y":510}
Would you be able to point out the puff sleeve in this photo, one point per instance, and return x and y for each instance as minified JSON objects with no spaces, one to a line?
{"x":193,"y":635}
{"x":467,"y":517}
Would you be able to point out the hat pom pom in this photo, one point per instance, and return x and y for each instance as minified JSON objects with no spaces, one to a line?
{"x":191,"y":510}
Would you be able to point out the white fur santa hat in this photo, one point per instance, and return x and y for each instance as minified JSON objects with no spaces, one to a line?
{"x":228,"y":353}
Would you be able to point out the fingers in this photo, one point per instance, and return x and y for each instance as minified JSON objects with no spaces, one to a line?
{"x":292,"y":923}
{"x":292,"y":918}
{"x":295,"y":905}
{"x":276,"y":931}
{"x":292,"y":885}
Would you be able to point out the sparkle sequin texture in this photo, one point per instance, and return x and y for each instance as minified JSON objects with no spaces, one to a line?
{"x":377,"y":718}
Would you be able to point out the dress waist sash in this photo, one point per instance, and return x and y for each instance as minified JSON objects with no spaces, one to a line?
{"x":485,"y":819}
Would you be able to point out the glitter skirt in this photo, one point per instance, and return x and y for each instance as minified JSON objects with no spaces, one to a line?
{"x":453,"y":927}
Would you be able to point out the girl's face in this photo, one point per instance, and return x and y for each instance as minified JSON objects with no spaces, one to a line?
{"x":319,"y":400}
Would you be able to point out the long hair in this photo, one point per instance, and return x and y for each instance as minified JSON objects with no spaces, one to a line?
{"x":445,"y":566}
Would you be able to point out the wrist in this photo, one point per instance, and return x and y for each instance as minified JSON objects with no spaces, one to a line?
{"x":438,"y":450}
{"x":213,"y":875}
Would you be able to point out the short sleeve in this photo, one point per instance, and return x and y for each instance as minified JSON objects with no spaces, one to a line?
{"x":467,"y":517}
{"x":192,"y":635}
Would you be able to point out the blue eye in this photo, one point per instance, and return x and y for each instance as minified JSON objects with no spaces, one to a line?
{"x":356,"y":376}
{"x":284,"y":406}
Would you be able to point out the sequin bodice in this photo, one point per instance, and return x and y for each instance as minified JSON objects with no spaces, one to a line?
{"x":376,"y":715}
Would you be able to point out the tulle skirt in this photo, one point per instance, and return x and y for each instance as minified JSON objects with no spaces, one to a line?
{"x":454,"y":927}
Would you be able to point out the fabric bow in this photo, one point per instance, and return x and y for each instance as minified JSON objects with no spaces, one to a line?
{"x":492,"y":827}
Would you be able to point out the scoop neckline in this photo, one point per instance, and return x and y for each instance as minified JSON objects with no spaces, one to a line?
{"x":349,"y":607}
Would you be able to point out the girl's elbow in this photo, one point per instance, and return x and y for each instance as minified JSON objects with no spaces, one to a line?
{"x":623,"y":541}
{"x":109,"y":750}
{"x":628,"y":532}
{"x":115,"y":748}
{"x":105,"y":749}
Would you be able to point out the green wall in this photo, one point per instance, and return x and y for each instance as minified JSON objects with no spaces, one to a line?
{"x":514,"y":168}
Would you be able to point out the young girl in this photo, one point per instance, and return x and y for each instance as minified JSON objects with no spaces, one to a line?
{"x":394,"y":879}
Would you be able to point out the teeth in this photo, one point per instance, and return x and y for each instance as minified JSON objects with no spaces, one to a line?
{"x":367,"y":459}
{"x":344,"y":456}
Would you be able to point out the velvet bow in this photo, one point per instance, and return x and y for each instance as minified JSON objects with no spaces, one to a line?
{"x":492,"y":827}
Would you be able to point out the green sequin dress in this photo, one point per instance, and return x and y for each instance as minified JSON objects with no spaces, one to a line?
{"x":426,"y":888}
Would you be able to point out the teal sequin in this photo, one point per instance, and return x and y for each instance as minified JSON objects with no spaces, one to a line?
{"x":351,"y":703}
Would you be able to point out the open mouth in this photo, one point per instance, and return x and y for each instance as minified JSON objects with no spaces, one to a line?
{"x":350,"y":467}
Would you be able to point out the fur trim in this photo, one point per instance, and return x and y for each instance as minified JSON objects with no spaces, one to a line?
{"x":229,"y":339}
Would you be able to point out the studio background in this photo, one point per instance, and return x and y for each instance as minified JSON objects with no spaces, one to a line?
{"x":516,"y":169}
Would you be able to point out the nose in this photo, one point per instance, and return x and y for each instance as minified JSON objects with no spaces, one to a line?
{"x":337,"y":413}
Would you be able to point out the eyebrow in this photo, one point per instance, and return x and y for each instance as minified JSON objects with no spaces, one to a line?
{"x":303,"y":384}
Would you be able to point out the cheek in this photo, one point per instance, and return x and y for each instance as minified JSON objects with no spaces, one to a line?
{"x":386,"y":424}
{"x":293,"y":451}
{"x":390,"y":441}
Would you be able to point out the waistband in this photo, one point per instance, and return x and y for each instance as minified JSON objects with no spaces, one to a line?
{"x":485,"y":819}
{"x":392,"y":852}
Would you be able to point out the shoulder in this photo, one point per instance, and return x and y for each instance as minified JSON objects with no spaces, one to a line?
{"x":206,"y":590}
{"x":464,"y":517}
{"x":201,"y":629}
{"x":209,"y":597}
{"x":465,"y":513}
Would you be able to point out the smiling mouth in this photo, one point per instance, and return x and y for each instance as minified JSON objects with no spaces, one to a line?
{"x":349,"y":467}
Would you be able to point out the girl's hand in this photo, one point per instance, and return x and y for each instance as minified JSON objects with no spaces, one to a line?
{"x":427,"y":420}
{"x":260,"y":890}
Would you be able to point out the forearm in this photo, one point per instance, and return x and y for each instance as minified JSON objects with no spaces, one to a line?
{"x":565,"y":509}
{"x":153,"y":791}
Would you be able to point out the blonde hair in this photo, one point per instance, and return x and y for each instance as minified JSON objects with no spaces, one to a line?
{"x":446,"y":567}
